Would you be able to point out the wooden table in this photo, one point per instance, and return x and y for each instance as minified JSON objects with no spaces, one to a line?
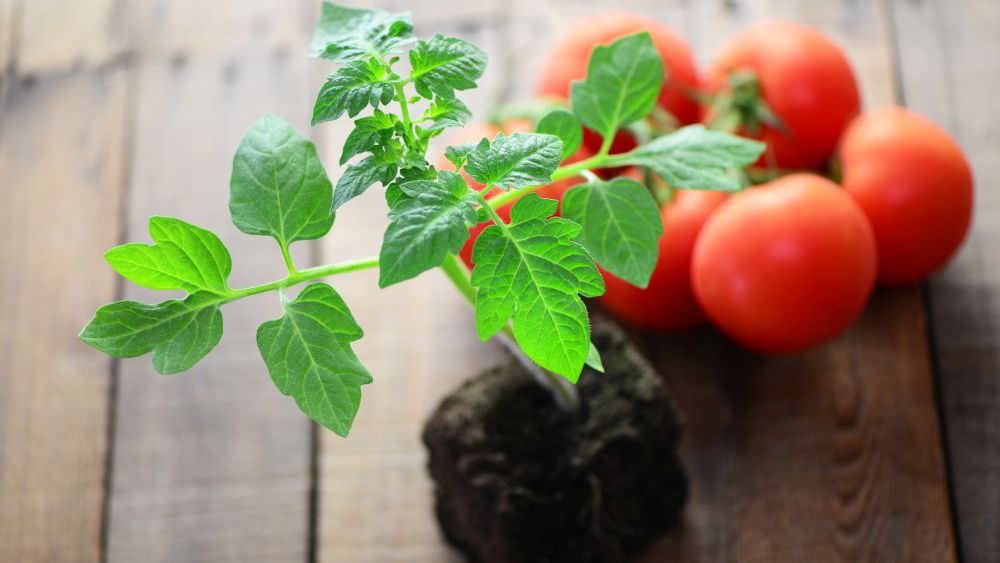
{"x":882,"y":446}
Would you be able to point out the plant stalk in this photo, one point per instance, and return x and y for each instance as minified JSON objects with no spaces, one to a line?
{"x":564,"y":393}
{"x":561,"y":173}
{"x":456,"y":272}
{"x":305,"y":275}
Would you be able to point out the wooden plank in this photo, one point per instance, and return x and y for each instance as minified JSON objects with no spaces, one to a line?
{"x":189,"y":27}
{"x":62,"y":151}
{"x":61,"y":168}
{"x":212,"y":464}
{"x":374,"y":494}
{"x":56,"y":35}
{"x":947,"y":54}
{"x":8,"y":14}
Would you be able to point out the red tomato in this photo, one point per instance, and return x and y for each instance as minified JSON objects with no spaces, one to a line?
{"x":475,"y":132}
{"x":806,"y":80}
{"x":786,"y":265}
{"x":567,"y":61}
{"x":668,"y":303}
{"x":914,"y":184}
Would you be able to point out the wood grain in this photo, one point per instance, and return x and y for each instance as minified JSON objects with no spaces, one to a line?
{"x":62,"y":153}
{"x":948,"y":53}
{"x":9,"y":12}
{"x":212,"y":464}
{"x":57,"y":35}
{"x":192,"y":28}
{"x":61,"y":176}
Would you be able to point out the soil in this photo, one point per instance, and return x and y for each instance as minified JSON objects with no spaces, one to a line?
{"x":518,"y":480}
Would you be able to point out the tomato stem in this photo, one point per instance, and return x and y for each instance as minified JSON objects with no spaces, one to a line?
{"x":308,"y":274}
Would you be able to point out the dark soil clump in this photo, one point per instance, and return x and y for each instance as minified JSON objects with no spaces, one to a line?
{"x":519,"y":481}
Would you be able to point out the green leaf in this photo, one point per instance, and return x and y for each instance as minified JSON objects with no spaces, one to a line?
{"x":594,"y":359}
{"x":444,"y":113}
{"x":622,"y":84}
{"x":394,"y":194}
{"x":441,"y":65}
{"x":126,"y":329}
{"x":368,"y":133}
{"x":534,"y":271}
{"x":202,"y":332}
{"x":352,"y":88}
{"x":361,"y":176}
{"x":458,"y":154}
{"x":433,"y":222}
{"x":308,"y":354}
{"x":344,"y":34}
{"x":695,"y":158}
{"x":279,"y":187}
{"x":564,"y":125}
{"x":183,"y":257}
{"x":621,"y":226}
{"x":515,"y":161}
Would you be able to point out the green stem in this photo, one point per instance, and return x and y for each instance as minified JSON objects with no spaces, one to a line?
{"x":404,"y":108}
{"x":459,"y":275}
{"x":606,"y":144}
{"x":304,"y":276}
{"x":491,"y":208}
{"x":287,"y":257}
{"x":561,"y":173}
{"x":563,"y":392}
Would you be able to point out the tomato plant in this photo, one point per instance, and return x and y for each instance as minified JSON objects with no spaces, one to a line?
{"x":531,"y":269}
{"x":914,"y":184}
{"x":668,"y":302}
{"x":788,"y":85}
{"x":786,"y":265}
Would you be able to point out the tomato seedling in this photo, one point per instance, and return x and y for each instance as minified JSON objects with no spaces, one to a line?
{"x":530,"y":271}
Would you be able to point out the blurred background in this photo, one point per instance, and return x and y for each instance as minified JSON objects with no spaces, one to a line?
{"x":884,"y":445}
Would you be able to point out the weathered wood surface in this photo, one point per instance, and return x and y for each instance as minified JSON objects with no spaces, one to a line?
{"x":212,"y":464}
{"x":833,"y":455}
{"x":62,"y":148}
{"x":948,"y":72}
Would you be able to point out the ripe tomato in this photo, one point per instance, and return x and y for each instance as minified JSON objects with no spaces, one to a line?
{"x":475,"y":132}
{"x":786,"y":265}
{"x":806,"y":80}
{"x":914,"y":184}
{"x":668,"y":302}
{"x":567,"y":61}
